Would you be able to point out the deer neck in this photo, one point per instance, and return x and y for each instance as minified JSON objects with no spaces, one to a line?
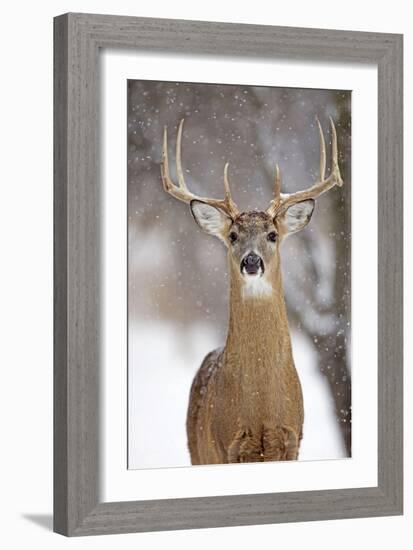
{"x":258,"y":335}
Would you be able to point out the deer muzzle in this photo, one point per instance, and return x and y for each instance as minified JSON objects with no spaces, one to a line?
{"x":252,"y":264}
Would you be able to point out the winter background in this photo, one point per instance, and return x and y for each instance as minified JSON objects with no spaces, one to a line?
{"x":177,"y":276}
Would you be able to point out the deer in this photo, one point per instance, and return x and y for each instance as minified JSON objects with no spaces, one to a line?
{"x":246,"y":401}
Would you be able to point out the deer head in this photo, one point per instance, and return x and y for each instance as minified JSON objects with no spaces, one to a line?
{"x":253,"y":238}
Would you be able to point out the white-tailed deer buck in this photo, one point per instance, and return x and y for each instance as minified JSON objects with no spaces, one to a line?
{"x":246,"y":402}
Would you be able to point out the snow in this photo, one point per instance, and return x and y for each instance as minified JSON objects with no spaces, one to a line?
{"x":162,"y":363}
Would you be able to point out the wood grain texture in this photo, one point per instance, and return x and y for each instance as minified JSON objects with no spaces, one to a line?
{"x":78,"y":39}
{"x":60,"y":486}
{"x":390,"y":273}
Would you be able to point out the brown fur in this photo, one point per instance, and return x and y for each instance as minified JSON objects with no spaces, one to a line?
{"x":246,"y":402}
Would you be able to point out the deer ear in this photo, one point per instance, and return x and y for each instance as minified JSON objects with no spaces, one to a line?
{"x":210,"y":219}
{"x":297,"y":216}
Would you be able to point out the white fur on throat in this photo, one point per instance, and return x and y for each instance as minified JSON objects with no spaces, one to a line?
{"x":255,"y":286}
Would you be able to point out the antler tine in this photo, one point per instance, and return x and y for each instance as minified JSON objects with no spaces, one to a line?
{"x":334,"y":162}
{"x":277,"y":183}
{"x":230,"y":204}
{"x":322,"y":151}
{"x":323,"y":184}
{"x":178,"y":191}
{"x":226,"y":181}
{"x":275,"y":202}
{"x":181,"y":191}
{"x":179,"y":171}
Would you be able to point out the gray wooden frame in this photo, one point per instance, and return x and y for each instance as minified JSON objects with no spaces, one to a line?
{"x":78,"y":39}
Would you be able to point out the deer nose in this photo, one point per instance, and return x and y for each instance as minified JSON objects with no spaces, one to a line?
{"x":252,"y":264}
{"x":252,"y":259}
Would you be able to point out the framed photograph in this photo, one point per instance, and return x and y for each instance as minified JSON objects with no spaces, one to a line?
{"x":209,"y":371}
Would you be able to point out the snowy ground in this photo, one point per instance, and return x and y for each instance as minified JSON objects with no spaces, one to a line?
{"x":162,"y":364}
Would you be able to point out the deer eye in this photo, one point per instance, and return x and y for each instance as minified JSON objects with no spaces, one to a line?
{"x":233,"y":237}
{"x":272,"y":236}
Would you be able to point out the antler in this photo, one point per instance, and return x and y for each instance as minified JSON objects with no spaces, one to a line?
{"x":282,"y":201}
{"x":180,"y":191}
